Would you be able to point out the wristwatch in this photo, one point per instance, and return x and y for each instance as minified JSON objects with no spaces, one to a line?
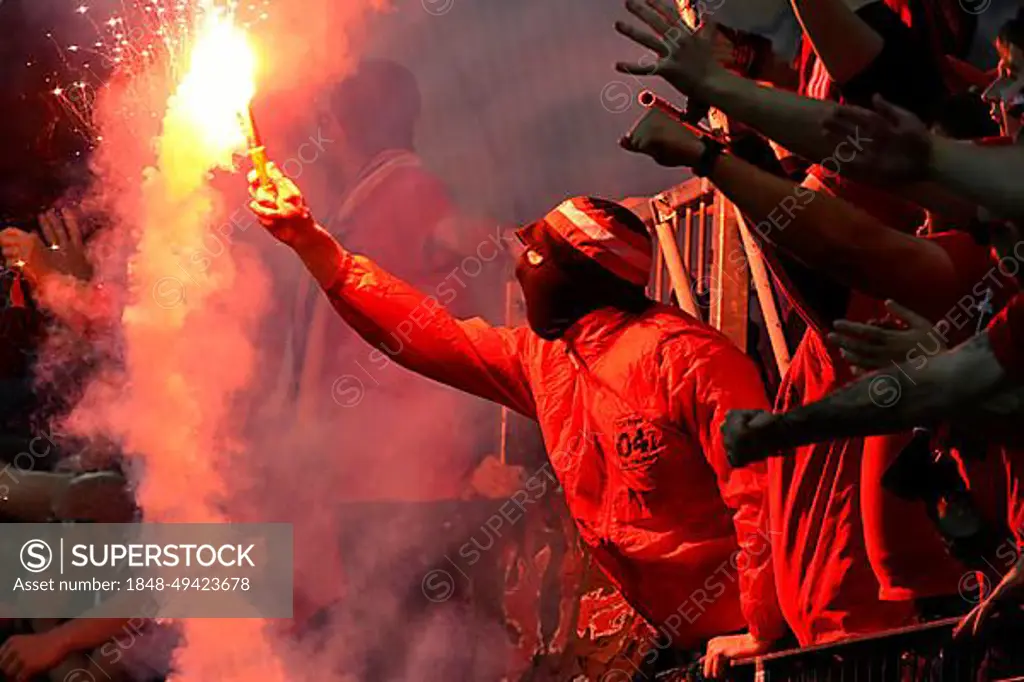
{"x":706,"y":162}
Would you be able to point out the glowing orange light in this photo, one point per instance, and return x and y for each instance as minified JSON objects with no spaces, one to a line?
{"x":217,"y":88}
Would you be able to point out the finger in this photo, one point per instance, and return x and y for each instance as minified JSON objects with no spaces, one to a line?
{"x":74,"y":228}
{"x":855,"y":343}
{"x":273,"y":172}
{"x":288,"y":192}
{"x":868,"y":333}
{"x":263,"y":210}
{"x":61,"y":239}
{"x":913,"y":320}
{"x":47,"y":221}
{"x":861,"y":363}
{"x":716,"y":665}
{"x":636,"y":69}
{"x":861,"y":349}
{"x":651,"y":17}
{"x":644,"y":38}
{"x":265,"y":215}
{"x":863,"y":357}
{"x":265,"y":197}
{"x":668,"y":12}
{"x":706,"y":668}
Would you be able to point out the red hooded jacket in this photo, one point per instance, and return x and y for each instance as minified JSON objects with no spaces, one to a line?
{"x":630,"y":407}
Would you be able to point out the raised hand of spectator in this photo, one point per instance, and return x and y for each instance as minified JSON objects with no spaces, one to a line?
{"x":26,"y":251}
{"x":22,"y":657}
{"x":747,"y":436}
{"x":664,"y":138}
{"x":873,"y":346}
{"x":974,"y":621}
{"x":64,"y":234}
{"x":687,"y":60}
{"x":896,"y":145}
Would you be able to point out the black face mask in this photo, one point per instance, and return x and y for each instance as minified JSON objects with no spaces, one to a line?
{"x":566,"y":285}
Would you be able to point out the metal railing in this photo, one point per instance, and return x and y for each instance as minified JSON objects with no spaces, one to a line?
{"x":706,"y":261}
{"x":919,"y":653}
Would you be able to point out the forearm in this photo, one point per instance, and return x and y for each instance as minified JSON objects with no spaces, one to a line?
{"x":896,"y":400}
{"x":989,"y":176}
{"x":85,"y":634}
{"x":844,"y":43}
{"x":323,"y":257}
{"x":413,"y":329}
{"x":29,"y":496}
{"x":823,"y":232}
{"x":790,"y":120}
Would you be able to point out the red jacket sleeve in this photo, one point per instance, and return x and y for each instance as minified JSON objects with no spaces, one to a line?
{"x":724,"y":379}
{"x":414,"y":330}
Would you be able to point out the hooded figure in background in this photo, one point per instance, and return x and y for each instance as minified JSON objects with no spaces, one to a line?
{"x":629,"y":394}
{"x":361,"y":435}
{"x":393,"y":209}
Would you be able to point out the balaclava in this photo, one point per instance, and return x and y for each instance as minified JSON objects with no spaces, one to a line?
{"x":584,"y":255}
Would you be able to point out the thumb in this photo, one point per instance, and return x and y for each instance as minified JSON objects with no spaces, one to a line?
{"x":912,"y":319}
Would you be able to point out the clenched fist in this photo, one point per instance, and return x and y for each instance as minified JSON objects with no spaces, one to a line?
{"x":747,"y":437}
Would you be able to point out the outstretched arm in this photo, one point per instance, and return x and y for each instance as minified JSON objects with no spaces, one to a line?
{"x":884,"y":402}
{"x":823,"y":232}
{"x":795,"y":122}
{"x":989,"y":176}
{"x":904,"y":149}
{"x":406,"y":326}
{"x":687,"y":62}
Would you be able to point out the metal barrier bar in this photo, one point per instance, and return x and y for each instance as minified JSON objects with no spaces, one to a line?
{"x":918,"y":653}
{"x":730,"y":278}
{"x":669,"y":248}
{"x":765,"y":295}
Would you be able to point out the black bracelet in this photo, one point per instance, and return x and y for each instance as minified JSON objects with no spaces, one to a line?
{"x":706,"y":163}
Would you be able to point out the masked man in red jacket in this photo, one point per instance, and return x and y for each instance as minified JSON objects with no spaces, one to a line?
{"x":629,"y":394}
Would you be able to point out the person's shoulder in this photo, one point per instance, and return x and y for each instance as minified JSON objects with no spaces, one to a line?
{"x":415,"y":182}
{"x":678,"y":336}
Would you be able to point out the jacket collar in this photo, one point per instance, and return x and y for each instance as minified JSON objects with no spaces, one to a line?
{"x":593,"y":333}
